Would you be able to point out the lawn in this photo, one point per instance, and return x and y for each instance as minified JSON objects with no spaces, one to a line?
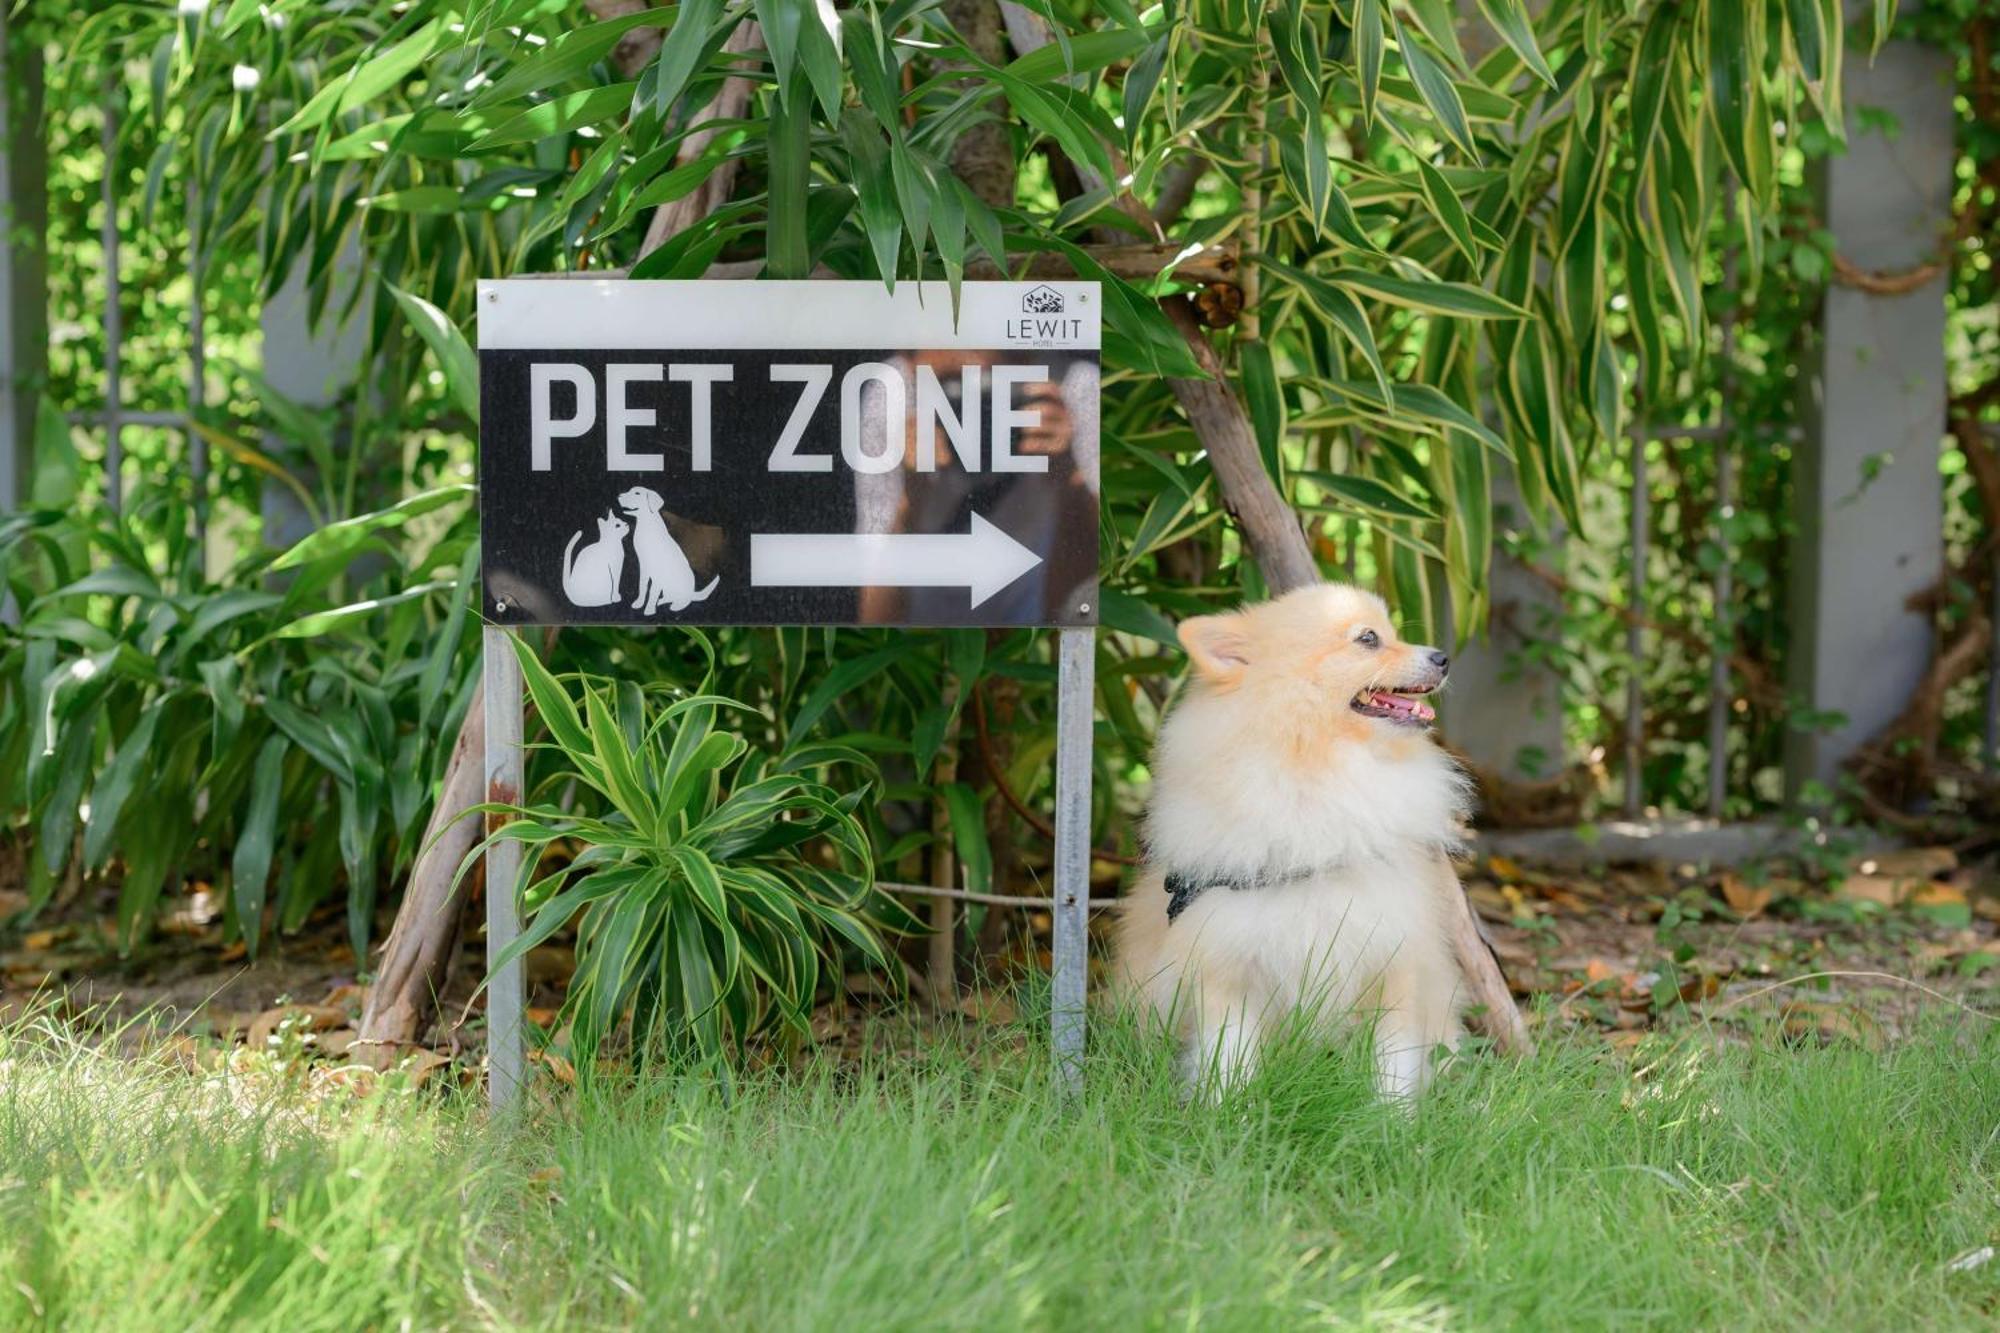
{"x":1689,"y":1182}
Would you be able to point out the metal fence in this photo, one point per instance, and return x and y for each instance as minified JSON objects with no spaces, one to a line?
{"x":114,"y":416}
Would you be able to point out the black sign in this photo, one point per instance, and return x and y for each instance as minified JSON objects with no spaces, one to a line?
{"x":770,"y":453}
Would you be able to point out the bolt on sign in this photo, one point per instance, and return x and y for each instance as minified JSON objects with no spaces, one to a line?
{"x":786,"y":453}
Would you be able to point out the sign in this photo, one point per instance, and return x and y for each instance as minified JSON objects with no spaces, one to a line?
{"x":785,"y":453}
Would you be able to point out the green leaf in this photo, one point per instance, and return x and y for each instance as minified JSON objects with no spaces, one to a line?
{"x":1448,"y":209}
{"x":570,"y":54}
{"x":367,"y":79}
{"x":1369,"y":495}
{"x":1439,"y":23}
{"x":346,"y":537}
{"x":558,"y":115}
{"x":1121,"y":611}
{"x":1427,"y":403}
{"x":1440,"y":94}
{"x":250,"y":865}
{"x":618,"y":764}
{"x":110,"y":792}
{"x":1806,"y":22}
{"x":555,"y":707}
{"x":868,"y":158}
{"x":319,"y":622}
{"x":1087,"y":51}
{"x":1457,"y":299}
{"x":1510,"y":19}
{"x":1652,"y":66}
{"x":1293,"y":43}
{"x":1368,"y":48}
{"x":455,"y":356}
{"x":680,"y":181}
{"x":819,"y":51}
{"x":1142,"y":80}
{"x":417,"y":199}
{"x":787,"y":253}
{"x":1064,"y":114}
{"x":225,"y":699}
{"x":681,"y":52}
{"x":847,"y":676}
{"x":1340,"y":309}
{"x":716,"y":751}
{"x":968,"y":834}
{"x":1729,"y":74}
{"x":1265,"y":401}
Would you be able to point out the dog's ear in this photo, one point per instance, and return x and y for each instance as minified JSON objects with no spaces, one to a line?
{"x":1218,"y":645}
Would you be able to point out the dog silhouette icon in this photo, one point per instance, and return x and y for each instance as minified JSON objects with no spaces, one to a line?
{"x":665,"y":576}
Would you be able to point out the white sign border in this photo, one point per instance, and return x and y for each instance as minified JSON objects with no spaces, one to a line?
{"x":527,"y":314}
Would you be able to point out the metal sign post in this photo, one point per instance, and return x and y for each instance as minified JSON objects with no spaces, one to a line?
{"x":1076,"y":672}
{"x":789,"y":453}
{"x":500,"y":678}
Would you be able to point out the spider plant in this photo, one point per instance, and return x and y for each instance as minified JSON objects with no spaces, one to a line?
{"x":712,"y":879}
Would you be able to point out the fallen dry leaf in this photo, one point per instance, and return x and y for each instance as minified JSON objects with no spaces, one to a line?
{"x":1938,"y":895}
{"x":421,"y":1064}
{"x":336,"y":1043}
{"x":12,"y":902}
{"x":1703,"y":986}
{"x":987,"y":1007}
{"x":306,"y":1017}
{"x":179,"y":1050}
{"x":1884,"y":889}
{"x":1911,"y":863}
{"x":38,"y":940}
{"x":357,"y":1079}
{"x":564,"y":1071}
{"x":1828,"y":1021}
{"x":1745,"y":899}
{"x":348,"y":994}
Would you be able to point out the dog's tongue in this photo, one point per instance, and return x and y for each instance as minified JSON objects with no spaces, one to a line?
{"x":1403,"y":705}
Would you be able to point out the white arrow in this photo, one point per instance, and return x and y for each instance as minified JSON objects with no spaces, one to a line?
{"x":983,"y":561}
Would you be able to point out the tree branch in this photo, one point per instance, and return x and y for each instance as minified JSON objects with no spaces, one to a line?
{"x":729,"y":103}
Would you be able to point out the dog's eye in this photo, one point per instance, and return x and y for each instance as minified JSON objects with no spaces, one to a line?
{"x":1368,"y":638}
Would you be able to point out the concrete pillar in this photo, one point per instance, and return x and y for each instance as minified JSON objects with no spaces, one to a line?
{"x":316,"y":367}
{"x":24,"y":218}
{"x":1504,"y":708}
{"x":1868,"y":502}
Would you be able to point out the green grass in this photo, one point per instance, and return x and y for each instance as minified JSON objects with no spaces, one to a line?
{"x":1683,"y":1187}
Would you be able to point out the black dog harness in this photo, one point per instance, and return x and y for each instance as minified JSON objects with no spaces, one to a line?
{"x":1183,"y":887}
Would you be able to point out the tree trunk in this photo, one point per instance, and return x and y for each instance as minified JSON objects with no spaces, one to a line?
{"x":1269,"y":524}
{"x":983,"y":157}
{"x":730,"y":102}
{"x":417,"y":957}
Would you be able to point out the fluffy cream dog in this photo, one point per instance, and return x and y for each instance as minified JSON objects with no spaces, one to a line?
{"x":1298,"y":840}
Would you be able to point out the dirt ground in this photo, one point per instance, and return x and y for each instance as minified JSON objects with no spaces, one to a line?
{"x":1620,"y":952}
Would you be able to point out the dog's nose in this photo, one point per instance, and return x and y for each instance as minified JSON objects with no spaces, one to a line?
{"x":1440,"y":659}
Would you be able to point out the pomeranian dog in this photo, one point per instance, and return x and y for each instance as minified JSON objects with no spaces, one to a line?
{"x":1298,"y":843}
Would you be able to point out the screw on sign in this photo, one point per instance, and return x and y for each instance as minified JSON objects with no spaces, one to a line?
{"x":797,"y":453}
